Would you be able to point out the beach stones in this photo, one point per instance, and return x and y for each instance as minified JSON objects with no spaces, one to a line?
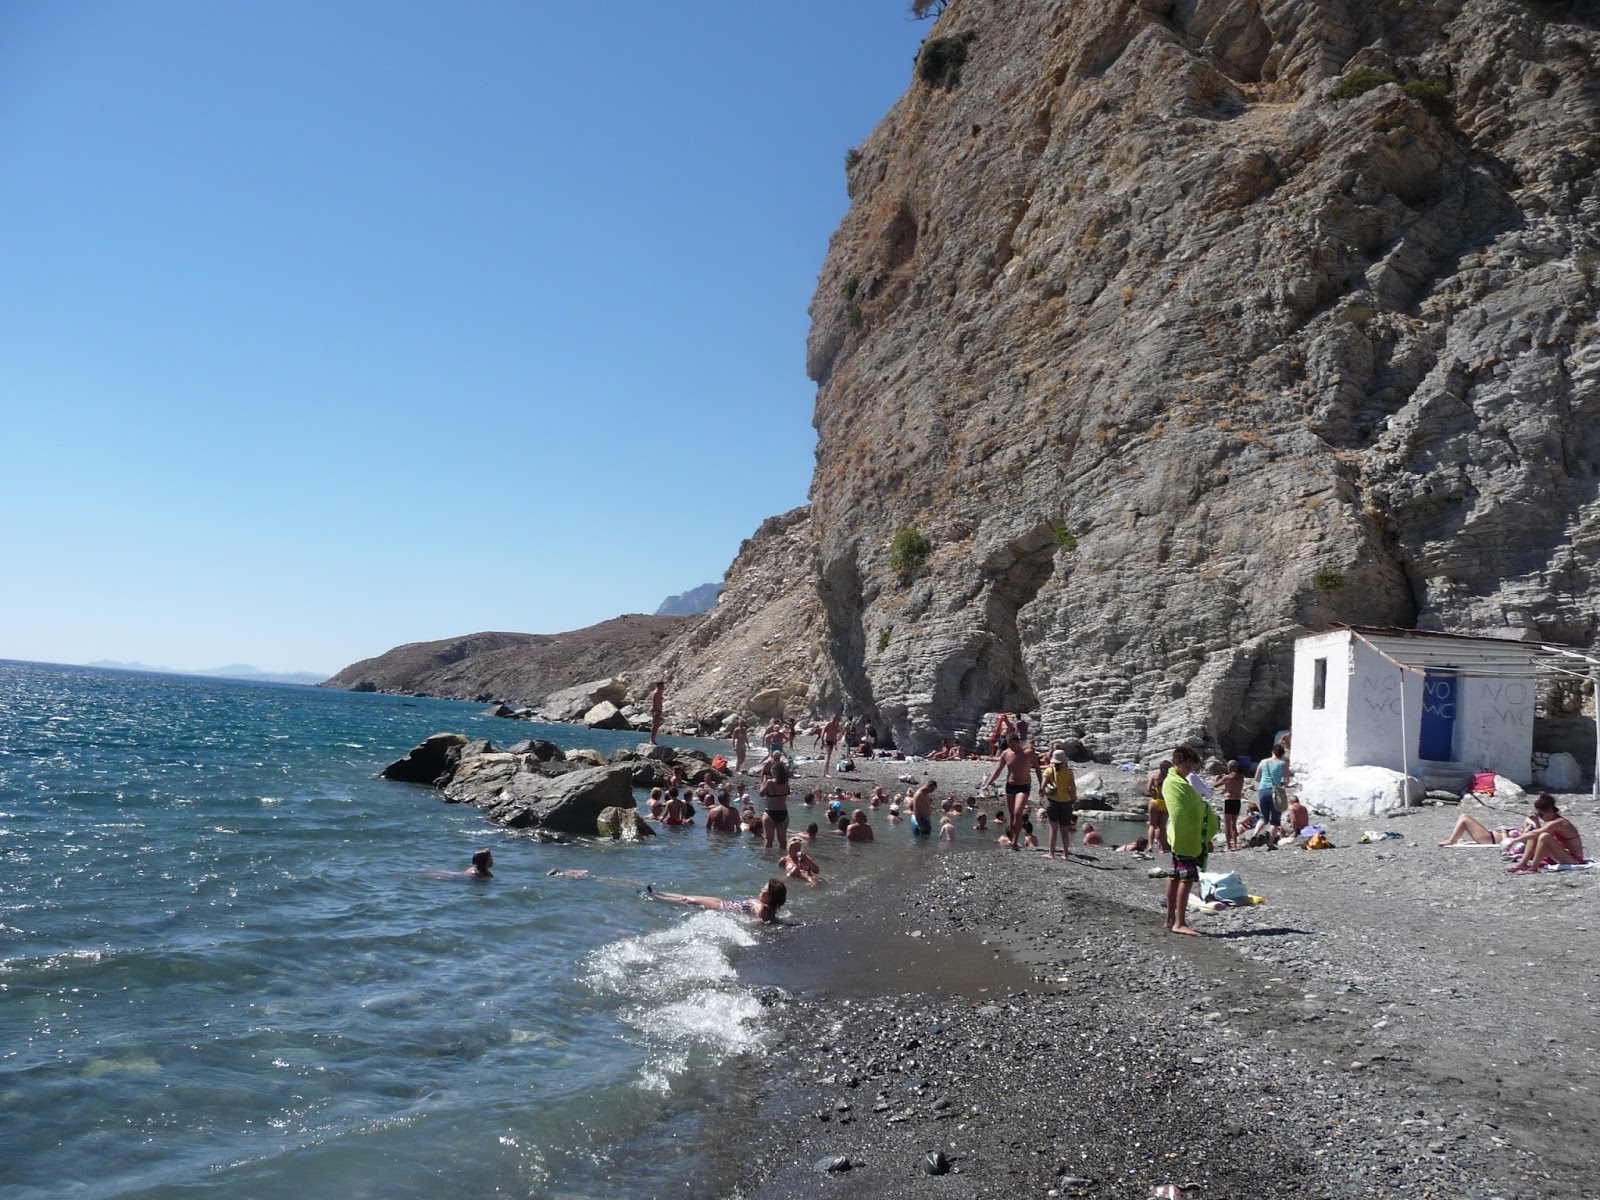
{"x":833,"y":1164}
{"x":935,"y":1163}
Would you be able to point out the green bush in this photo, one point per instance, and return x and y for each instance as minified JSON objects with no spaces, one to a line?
{"x":1357,"y":314}
{"x":852,"y":157}
{"x":941,"y":60}
{"x":909,"y":553}
{"x":1328,"y":580}
{"x":1361,"y":81}
{"x":923,"y":9}
{"x":1431,"y":94}
{"x":1065,"y":537}
{"x":852,"y":313}
{"x":851,"y":285}
{"x":883,"y":640}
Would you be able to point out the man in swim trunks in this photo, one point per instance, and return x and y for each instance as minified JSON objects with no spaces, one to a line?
{"x":830,"y":741}
{"x":921,"y":804}
{"x":722,"y":818}
{"x":658,"y":693}
{"x":1020,"y":764}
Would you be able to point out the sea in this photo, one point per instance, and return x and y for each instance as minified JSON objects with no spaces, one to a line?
{"x":235,"y":962}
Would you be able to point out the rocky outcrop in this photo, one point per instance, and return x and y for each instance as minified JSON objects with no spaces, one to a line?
{"x":606,"y":715}
{"x":570,"y":704}
{"x":691,"y":603}
{"x":521,"y":668}
{"x":1174,"y":329}
{"x":432,"y":762}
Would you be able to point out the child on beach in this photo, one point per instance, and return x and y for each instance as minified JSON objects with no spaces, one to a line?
{"x":947,"y":829}
{"x":1231,"y":785}
{"x":797,"y":864}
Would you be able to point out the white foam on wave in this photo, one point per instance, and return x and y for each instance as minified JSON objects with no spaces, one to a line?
{"x":684,"y":1003}
{"x":688,"y":953}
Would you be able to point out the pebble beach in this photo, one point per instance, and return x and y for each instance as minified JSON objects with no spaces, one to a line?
{"x":1397,"y":1019}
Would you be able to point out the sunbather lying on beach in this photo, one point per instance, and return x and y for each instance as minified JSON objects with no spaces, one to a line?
{"x":1474,"y":830}
{"x":763,"y":906}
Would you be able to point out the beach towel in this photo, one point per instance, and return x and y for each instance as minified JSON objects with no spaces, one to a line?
{"x":1587,"y":864}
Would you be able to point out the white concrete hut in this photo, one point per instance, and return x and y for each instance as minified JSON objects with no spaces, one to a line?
{"x":1414,"y":702}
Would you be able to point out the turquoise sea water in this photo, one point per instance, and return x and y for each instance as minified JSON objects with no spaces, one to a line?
{"x":232,"y":962}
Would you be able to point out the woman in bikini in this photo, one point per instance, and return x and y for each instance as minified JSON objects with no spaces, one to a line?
{"x":1554,"y":843}
{"x":775,"y":791}
{"x":1473,"y":830}
{"x":763,"y":906}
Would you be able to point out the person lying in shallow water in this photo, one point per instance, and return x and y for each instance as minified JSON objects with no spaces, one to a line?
{"x":763,"y":906}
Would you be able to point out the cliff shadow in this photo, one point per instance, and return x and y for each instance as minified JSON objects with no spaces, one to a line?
{"x":839,"y":589}
{"x":988,"y":673}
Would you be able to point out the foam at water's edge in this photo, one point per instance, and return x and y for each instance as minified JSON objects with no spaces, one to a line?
{"x":688,"y":1007}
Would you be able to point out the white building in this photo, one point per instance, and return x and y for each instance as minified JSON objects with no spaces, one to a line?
{"x":1415,"y":702}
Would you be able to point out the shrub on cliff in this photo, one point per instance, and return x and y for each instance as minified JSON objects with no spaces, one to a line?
{"x":941,"y":60}
{"x":923,"y":9}
{"x":909,"y":553}
{"x":1361,"y":81}
{"x":1431,"y":94}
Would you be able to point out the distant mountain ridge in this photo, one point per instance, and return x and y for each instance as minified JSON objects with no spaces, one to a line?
{"x":691,"y":603}
{"x":231,"y":671}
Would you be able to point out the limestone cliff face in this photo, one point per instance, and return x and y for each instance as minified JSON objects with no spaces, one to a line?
{"x":762,"y":633}
{"x":1172,"y":351}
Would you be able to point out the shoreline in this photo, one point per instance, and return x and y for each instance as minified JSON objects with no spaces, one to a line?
{"x":1372,"y":1030}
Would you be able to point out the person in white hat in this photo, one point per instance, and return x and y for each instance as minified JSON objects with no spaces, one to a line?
{"x":1060,"y":791}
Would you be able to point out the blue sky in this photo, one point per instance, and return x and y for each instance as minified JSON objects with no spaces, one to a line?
{"x":330,"y":326}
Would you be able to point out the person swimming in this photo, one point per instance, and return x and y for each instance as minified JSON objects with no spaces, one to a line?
{"x":482,"y":860}
{"x":763,"y":906}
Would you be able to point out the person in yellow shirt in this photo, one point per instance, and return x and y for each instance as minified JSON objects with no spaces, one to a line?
{"x":1191,"y":824}
{"x":1060,"y":792}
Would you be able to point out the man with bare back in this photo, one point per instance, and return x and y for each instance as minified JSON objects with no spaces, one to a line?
{"x":658,"y":693}
{"x":1020,"y":764}
{"x":830,"y":742}
{"x":922,"y":809}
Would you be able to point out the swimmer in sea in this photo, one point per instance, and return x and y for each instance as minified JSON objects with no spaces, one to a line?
{"x":763,"y":906}
{"x":482,"y":860}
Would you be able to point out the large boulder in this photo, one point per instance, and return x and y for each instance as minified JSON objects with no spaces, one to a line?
{"x":430,"y":762}
{"x":606,"y":715}
{"x":657,"y":752}
{"x":593,"y":757}
{"x":767,"y":703}
{"x":623,"y":824}
{"x":1561,"y":773}
{"x":542,"y":750}
{"x":569,"y":803}
{"x":1359,"y":791}
{"x":570,"y":704}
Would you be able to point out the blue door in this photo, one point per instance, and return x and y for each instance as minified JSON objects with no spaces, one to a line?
{"x":1438,"y":738}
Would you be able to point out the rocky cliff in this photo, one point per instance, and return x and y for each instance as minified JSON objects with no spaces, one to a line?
{"x":1174,"y":327}
{"x":1157,"y":332}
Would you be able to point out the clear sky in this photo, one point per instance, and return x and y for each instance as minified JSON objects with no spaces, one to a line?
{"x":327,"y":326}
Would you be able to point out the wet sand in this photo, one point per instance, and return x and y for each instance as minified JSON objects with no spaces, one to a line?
{"x":1397,"y":1020}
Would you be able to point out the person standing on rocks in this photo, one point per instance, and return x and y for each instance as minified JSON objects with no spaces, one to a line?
{"x":741,"y":745}
{"x":658,"y":696}
{"x":1020,"y":764}
{"x":830,"y":742}
{"x":1191,"y":824}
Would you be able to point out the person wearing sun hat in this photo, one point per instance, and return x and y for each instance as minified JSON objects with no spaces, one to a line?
{"x":1060,"y":792}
